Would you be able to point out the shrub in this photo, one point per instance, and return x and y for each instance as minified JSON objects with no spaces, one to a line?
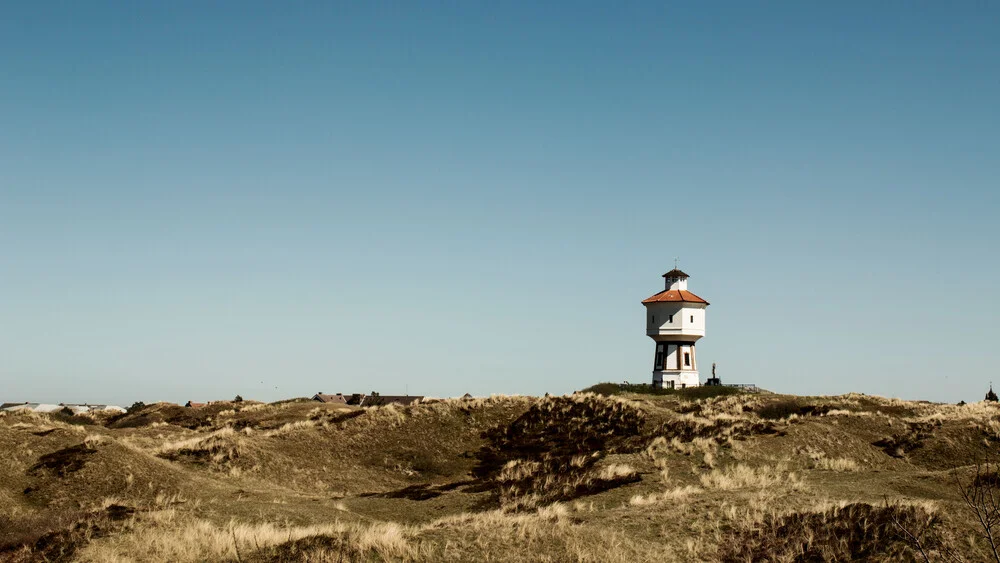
{"x":707,"y":392}
{"x":856,"y":532}
{"x":552,"y":451}
{"x":606,"y":389}
{"x":779,"y":410}
{"x":690,"y":393}
{"x":55,"y":535}
{"x":719,"y":429}
{"x":67,"y":416}
{"x":898,"y":445}
{"x":64,"y":461}
{"x":784,"y":409}
{"x":743,"y":476}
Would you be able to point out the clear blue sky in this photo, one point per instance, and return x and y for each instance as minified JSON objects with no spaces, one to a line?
{"x":202,"y":199}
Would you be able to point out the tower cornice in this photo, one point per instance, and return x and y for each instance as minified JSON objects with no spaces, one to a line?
{"x":674,"y":296}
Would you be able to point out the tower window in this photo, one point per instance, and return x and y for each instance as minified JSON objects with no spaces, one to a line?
{"x":658,"y":362}
{"x":692,"y":318}
{"x":652,"y":319}
{"x":670,"y":318}
{"x":687,"y":358}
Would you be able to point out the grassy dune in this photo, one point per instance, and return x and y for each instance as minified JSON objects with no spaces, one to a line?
{"x":588,"y":477}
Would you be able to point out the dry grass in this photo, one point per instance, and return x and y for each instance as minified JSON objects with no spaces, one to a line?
{"x":741,"y":476}
{"x":579,"y":478}
{"x":673,"y":495}
{"x":219,"y":447}
{"x":837,"y":464}
{"x":850,"y":532}
{"x":167,"y":536}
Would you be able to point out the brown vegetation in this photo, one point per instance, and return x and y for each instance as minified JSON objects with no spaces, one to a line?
{"x":858,"y":531}
{"x":589,"y":477}
{"x":551,"y":452}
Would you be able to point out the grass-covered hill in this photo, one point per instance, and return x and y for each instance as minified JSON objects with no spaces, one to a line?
{"x":603,"y":477}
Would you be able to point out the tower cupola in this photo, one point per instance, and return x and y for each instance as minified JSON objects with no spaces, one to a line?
{"x":676,"y":279}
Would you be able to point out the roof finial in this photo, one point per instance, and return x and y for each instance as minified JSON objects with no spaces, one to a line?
{"x":675,"y":262}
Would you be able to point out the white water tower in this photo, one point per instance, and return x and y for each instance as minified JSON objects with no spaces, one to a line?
{"x":675,"y":320}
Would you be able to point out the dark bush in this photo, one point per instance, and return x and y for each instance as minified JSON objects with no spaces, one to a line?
{"x":857,"y":532}
{"x":784,"y":409}
{"x":64,"y":461}
{"x":690,"y":393}
{"x":558,"y":443}
{"x":71,"y":418}
{"x":560,"y":427}
{"x":719,"y":430}
{"x":707,"y":392}
{"x":779,"y":410}
{"x":898,"y":445}
{"x":56,"y":535}
{"x":313,"y":548}
{"x":606,"y":389}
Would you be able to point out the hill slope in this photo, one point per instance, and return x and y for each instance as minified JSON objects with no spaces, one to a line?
{"x":578,"y":478}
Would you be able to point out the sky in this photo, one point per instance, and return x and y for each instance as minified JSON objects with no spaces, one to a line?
{"x":204,"y":199}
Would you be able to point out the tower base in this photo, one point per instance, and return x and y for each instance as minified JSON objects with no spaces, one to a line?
{"x":675,"y":379}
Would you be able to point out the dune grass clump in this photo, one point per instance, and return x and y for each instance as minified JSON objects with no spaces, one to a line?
{"x":672,"y":495}
{"x":841,"y":464}
{"x":718,"y":428}
{"x":377,"y":542}
{"x":899,"y":445}
{"x":552,"y":452}
{"x":220,"y":448}
{"x":166,"y":536}
{"x":57,"y":535}
{"x":786,"y":409}
{"x":63,"y":462}
{"x":528,"y":484}
{"x":855,"y":532}
{"x":742,"y":476}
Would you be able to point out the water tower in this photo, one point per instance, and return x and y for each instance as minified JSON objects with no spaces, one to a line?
{"x":675,"y":320}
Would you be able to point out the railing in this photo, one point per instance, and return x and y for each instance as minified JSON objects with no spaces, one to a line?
{"x":748,"y":387}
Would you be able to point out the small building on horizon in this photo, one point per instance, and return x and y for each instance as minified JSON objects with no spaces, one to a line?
{"x":338,"y":399}
{"x":75,"y":408}
{"x":376,"y":400}
{"x":372,"y":399}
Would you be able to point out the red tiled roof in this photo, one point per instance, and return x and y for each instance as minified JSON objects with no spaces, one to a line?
{"x":675,"y":296}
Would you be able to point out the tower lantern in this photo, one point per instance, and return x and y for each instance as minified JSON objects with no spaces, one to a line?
{"x":675,"y":320}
